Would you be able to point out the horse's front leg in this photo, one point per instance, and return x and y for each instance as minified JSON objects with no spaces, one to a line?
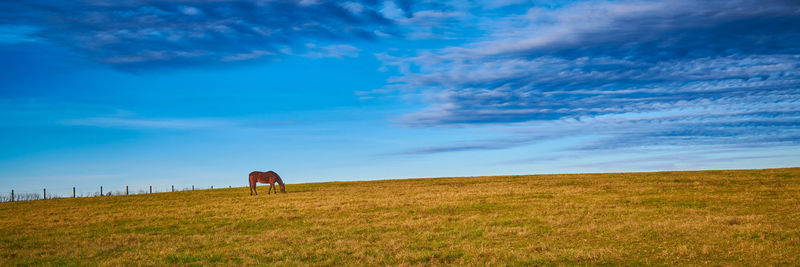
{"x":269,"y":191}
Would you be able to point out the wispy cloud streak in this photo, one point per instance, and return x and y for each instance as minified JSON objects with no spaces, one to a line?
{"x":726,"y":72}
{"x":142,"y":34}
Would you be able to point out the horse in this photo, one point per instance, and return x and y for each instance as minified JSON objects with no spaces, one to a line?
{"x":269,"y":177}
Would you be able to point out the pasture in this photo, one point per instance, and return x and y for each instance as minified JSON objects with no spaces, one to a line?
{"x":737,"y":217}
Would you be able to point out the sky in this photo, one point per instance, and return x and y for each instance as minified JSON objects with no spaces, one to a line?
{"x":182,"y":92}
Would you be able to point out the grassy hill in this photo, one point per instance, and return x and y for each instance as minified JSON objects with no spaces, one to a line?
{"x":737,"y":217}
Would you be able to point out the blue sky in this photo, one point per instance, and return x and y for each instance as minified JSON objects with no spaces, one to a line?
{"x":114,"y":93}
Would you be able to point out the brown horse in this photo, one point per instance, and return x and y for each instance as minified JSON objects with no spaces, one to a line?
{"x":269,"y":177}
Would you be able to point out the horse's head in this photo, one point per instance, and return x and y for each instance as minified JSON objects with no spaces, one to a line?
{"x":280,"y":183}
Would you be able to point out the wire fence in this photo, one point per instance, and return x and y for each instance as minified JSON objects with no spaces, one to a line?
{"x":13,"y":196}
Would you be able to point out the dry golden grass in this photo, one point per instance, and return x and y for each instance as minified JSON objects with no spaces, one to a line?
{"x":748,"y":217}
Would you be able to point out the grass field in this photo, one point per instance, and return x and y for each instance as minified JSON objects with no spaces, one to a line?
{"x":747,"y":217}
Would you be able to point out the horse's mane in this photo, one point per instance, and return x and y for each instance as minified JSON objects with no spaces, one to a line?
{"x":278,"y":178}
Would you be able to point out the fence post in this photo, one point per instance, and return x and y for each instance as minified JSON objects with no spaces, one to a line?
{"x":151,"y":189}
{"x":12,"y":195}
{"x":73,"y":192}
{"x":212,"y":187}
{"x":101,"y":191}
{"x":192,"y":187}
{"x":44,"y":193}
{"x":126,"y":190}
{"x":173,"y":188}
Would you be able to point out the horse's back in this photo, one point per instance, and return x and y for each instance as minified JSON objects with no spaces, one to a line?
{"x":262,"y":176}
{"x":260,"y":173}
